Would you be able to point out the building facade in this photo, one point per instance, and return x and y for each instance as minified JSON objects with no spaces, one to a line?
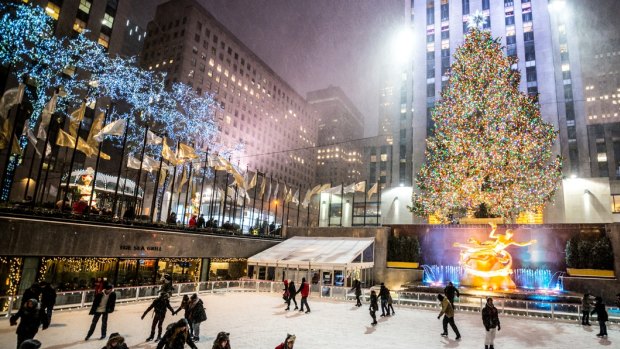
{"x":258,"y":108}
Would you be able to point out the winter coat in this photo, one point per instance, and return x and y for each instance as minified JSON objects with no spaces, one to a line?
{"x":31,"y":319}
{"x":357,"y":288}
{"x":159,"y":306}
{"x":286,"y":292}
{"x":374,"y":305}
{"x":30,"y":293}
{"x":109,"y":308}
{"x":384,"y":293}
{"x":490,"y":317}
{"x":292,"y":292}
{"x":446,"y":308}
{"x":586,"y":305}
{"x":48,"y":297}
{"x":178,"y":341}
{"x":197,"y":312}
{"x":450,"y":291}
{"x":281,"y":346}
{"x":601,"y":313}
{"x":304,"y":288}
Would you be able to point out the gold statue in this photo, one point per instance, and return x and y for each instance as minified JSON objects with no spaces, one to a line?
{"x":487,"y":264}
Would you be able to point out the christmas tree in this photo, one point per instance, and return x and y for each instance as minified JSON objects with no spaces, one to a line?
{"x":490,"y":146}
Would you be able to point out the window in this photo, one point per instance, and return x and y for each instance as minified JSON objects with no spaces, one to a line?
{"x":85,"y":6}
{"x":485,"y":4}
{"x":528,"y":36}
{"x":430,"y":90}
{"x":430,"y":13}
{"x":52,"y":10}
{"x":465,"y":7}
{"x":108,"y":20}
{"x":530,"y":52}
{"x":79,"y":26}
{"x":445,"y":12}
{"x":527,"y":17}
{"x":104,"y":40}
{"x":530,"y":73}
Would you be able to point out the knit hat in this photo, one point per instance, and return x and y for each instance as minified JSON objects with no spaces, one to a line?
{"x":30,"y":344}
{"x":290,"y":338}
{"x":222,"y":336}
{"x":34,"y":301}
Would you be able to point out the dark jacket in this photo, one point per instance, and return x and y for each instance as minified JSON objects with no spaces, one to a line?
{"x":490,"y":317}
{"x":31,"y":319}
{"x":601,"y":313}
{"x":159,"y":306}
{"x":292,"y":291}
{"x":48,"y":296}
{"x":450,"y":291}
{"x":304,"y":288}
{"x":197,"y":312}
{"x":178,"y":341}
{"x":384,"y":293}
{"x":357,"y":288}
{"x":374,"y":305}
{"x":109,"y":308}
{"x":31,"y":293}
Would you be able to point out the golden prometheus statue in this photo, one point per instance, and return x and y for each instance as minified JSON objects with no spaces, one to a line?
{"x":487,"y":264}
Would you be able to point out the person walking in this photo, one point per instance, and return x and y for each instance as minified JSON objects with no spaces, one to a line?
{"x":374,"y":307}
{"x":288,"y":343}
{"x":48,"y":300}
{"x":601,"y":316}
{"x":304,"y":288}
{"x":116,"y":341}
{"x":285,"y":292}
{"x":159,"y":306}
{"x":490,"y":320}
{"x":197,"y":314}
{"x":383,"y":295}
{"x":292,"y":293}
{"x":30,"y":319}
{"x":389,"y":304}
{"x":450,"y":291}
{"x":176,"y":336}
{"x":586,"y":308}
{"x":357,"y":288}
{"x":103,"y":304}
{"x":448,"y":316}
{"x":222,"y":341}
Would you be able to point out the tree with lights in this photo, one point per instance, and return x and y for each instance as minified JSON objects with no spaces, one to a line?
{"x":491,"y":149}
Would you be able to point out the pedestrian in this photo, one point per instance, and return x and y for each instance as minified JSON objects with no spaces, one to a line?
{"x":30,"y":319}
{"x":30,"y":344}
{"x":285,"y":292}
{"x":176,"y":336}
{"x":292,"y":292}
{"x":185,"y":307}
{"x":48,"y":300}
{"x":448,"y":316}
{"x":103,"y":304}
{"x":32,"y":292}
{"x":450,"y":291}
{"x":389,"y":304}
{"x":304,"y":288}
{"x":197,"y":314}
{"x":601,"y":316}
{"x":222,"y":341}
{"x":193,"y":222}
{"x":172,"y":219}
{"x":201,"y":221}
{"x":159,"y":306}
{"x":116,"y":341}
{"x":357,"y":288}
{"x":586,"y":308}
{"x":374,"y":307}
{"x":383,"y":295}
{"x":99,"y":284}
{"x":490,"y":320}
{"x":288,"y":343}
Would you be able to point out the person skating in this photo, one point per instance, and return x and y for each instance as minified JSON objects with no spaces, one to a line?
{"x":103,"y":304}
{"x":159,"y":306}
{"x":374,"y":307}
{"x":48,"y":300}
{"x":292,"y":293}
{"x":357,"y":288}
{"x":116,"y":341}
{"x":197,"y":314}
{"x":448,"y":317}
{"x":30,"y":319}
{"x":285,"y":291}
{"x":490,"y":320}
{"x":601,"y":316}
{"x":30,"y":344}
{"x":450,"y":291}
{"x":304,"y":289}
{"x":586,"y":308}
{"x":32,"y":292}
{"x":222,"y":341}
{"x":389,"y":304}
{"x":176,"y":336}
{"x":383,"y":295}
{"x":288,"y":343}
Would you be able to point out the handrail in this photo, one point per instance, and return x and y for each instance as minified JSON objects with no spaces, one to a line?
{"x":467,"y":303}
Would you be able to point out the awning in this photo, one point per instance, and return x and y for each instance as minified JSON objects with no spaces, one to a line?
{"x":319,"y":253}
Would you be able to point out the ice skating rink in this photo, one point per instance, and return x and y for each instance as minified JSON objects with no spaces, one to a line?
{"x":258,"y":321}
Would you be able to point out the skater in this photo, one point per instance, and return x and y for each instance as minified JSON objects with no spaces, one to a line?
{"x":450,"y":291}
{"x":357,"y":287}
{"x":176,"y":336}
{"x":159,"y":306}
{"x":374,"y":307}
{"x":285,"y":292}
{"x":116,"y":341}
{"x":197,"y":314}
{"x":30,"y":344}
{"x":448,"y":318}
{"x":389,"y":304}
{"x":31,"y":317}
{"x":48,"y":300}
{"x":186,"y":314}
{"x":601,"y":316}
{"x":490,"y":320}
{"x":32,"y":292}
{"x":103,"y":304}
{"x":304,"y":288}
{"x":288,"y":343}
{"x":383,"y":295}
{"x":292,"y":292}
{"x":586,"y":308}
{"x":222,"y":341}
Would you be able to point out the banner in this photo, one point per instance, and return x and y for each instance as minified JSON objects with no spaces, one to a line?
{"x":152,"y":138}
{"x":115,"y":128}
{"x":11,"y":98}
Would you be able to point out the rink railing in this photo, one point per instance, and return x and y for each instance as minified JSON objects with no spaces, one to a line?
{"x":541,"y":309}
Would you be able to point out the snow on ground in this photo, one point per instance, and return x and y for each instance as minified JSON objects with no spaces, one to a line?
{"x":258,"y":321}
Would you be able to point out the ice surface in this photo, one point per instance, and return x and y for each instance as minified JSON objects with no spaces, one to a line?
{"x":258,"y":321}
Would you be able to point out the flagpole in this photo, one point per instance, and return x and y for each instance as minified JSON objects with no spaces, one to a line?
{"x":77,"y":141}
{"x":308,"y":215}
{"x":202,"y":185}
{"x":225,"y":196}
{"x":174,"y":177}
{"x":298,"y":206}
{"x":288,"y":209}
{"x":156,"y":189}
{"x":47,"y":170}
{"x":378,"y":202}
{"x":353,"y":203}
{"x":92,"y":188}
{"x":212,"y":192}
{"x":254,"y":201}
{"x":365,"y":196}
{"x":189,"y":186}
{"x":43,"y":156}
{"x":34,"y":155}
{"x":243,"y":207}
{"x":9,"y":150}
{"x":329,"y":207}
{"x":120,"y":171}
{"x":341,"y":202}
{"x":137,"y":188}
{"x":269,"y":198}
{"x":262,"y":202}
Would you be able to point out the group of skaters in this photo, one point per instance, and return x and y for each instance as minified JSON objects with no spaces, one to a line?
{"x":598,"y":308}
{"x":387,"y":309}
{"x":290,"y":292}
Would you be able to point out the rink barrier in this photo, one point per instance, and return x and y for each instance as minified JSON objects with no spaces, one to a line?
{"x":538,"y":309}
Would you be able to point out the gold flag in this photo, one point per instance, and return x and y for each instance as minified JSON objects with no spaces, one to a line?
{"x":183,"y":180}
{"x":4,"y":134}
{"x":253,"y":181}
{"x":76,"y":117}
{"x":372,"y":190}
{"x":168,"y":154}
{"x":262,"y":187}
{"x":162,"y":176}
{"x":95,"y":129}
{"x":186,"y":152}
{"x":65,"y":140}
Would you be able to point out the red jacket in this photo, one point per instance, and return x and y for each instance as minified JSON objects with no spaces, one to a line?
{"x":305,"y":289}
{"x":281,"y":346}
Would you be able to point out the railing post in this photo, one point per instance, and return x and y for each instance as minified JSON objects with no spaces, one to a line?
{"x":83,"y":301}
{"x":398,"y":297}
{"x":552,"y":312}
{"x":527,"y":306}
{"x":503,"y":306}
{"x":578,"y":312}
{"x":11,"y":301}
{"x":271,"y":288}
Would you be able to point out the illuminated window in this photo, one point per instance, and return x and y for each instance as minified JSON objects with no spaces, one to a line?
{"x":85,"y":6}
{"x":52,"y":10}
{"x":104,"y":40}
{"x":108,"y":20}
{"x":383,"y":157}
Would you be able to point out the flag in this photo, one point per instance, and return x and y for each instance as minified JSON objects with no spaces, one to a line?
{"x":252,"y":183}
{"x":149,"y":164}
{"x":95,"y":129}
{"x":168,"y":154}
{"x":115,"y":128}
{"x":182,"y":181}
{"x":307,"y":198}
{"x":334,"y":190}
{"x":275,"y":192}
{"x":295,"y":198}
{"x":186,"y":152}
{"x":162,"y":176}
{"x":152,"y":138}
{"x":46,"y":116}
{"x":11,"y":98}
{"x":323,"y":188}
{"x":268,"y":196}
{"x":220,"y":194}
{"x":65,"y":140}
{"x":373,"y":190}
{"x":262,"y":187}
{"x":76,"y":118}
{"x":349,"y":188}
{"x":133,"y":163}
{"x":361,"y":186}
{"x":221,"y":164}
{"x":238,"y":178}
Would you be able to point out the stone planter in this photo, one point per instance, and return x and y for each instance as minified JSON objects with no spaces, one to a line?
{"x":599,"y":273}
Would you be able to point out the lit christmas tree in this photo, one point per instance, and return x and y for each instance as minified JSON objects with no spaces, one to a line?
{"x":490,"y":148}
